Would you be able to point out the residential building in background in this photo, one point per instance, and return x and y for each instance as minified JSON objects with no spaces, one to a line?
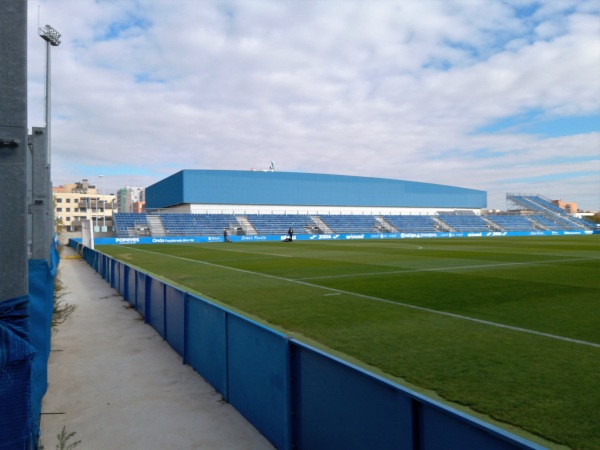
{"x":139,"y":207}
{"x":74,"y":203}
{"x":570,"y":207}
{"x":131,"y":199}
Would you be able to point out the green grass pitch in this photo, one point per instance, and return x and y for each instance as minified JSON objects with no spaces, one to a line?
{"x":508,"y":327}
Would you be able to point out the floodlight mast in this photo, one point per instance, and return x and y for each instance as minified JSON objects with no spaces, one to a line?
{"x":52,"y":38}
{"x":50,"y":35}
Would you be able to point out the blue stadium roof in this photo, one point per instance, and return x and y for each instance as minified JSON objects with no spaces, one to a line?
{"x":233,"y":187}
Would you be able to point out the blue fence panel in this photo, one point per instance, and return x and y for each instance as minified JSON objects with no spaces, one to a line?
{"x":121,"y":280}
{"x":96,"y":257}
{"x":113,"y":274}
{"x":104,"y":267}
{"x":107,"y":268}
{"x":118,"y":274}
{"x":130,"y":288}
{"x":88,"y":255}
{"x":340,"y":406}
{"x":84,"y":252}
{"x":140,"y":293}
{"x":100,"y":263}
{"x":175,"y":318}
{"x":258,"y":378}
{"x":156,"y":307}
{"x":440,"y":430}
{"x":206,"y":342}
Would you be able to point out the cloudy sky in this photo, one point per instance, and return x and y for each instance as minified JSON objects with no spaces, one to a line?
{"x":502,"y":96}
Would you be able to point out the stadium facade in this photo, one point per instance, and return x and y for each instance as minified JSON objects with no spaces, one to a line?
{"x":247,"y":192}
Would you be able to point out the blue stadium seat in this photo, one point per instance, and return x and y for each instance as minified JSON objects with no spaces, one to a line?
{"x":348,"y":223}
{"x":128,"y":224}
{"x":280,"y":223}
{"x":412,"y":224}
{"x":512,"y":222}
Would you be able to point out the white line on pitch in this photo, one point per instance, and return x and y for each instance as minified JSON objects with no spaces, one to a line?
{"x":383,"y":300}
{"x":247,"y":253}
{"x":448,"y":269}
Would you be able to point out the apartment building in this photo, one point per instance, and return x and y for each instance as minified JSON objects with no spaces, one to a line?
{"x":131,"y":199}
{"x":74,"y":203}
{"x":570,"y":207}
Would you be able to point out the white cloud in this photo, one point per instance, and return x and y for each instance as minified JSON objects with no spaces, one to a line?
{"x":390,"y":88}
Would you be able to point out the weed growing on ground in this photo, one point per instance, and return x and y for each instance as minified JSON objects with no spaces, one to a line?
{"x":62,"y":309}
{"x":63,"y":440}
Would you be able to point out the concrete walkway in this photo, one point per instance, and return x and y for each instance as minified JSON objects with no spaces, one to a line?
{"x":118,"y":385}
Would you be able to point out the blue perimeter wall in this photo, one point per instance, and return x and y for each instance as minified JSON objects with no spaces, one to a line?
{"x":318,"y":237}
{"x":297,"y":396}
{"x":235,"y":187}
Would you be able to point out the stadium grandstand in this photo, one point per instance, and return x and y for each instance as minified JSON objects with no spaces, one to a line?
{"x":260,"y":203}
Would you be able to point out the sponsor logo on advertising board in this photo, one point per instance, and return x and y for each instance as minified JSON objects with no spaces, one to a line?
{"x":168,"y":240}
{"x":172,"y":240}
{"x":127,"y":240}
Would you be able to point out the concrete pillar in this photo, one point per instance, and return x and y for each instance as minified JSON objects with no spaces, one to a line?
{"x":13,"y":149}
{"x":42,"y":202}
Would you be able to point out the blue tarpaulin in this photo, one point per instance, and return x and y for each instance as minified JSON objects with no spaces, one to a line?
{"x":16,"y":354}
{"x":25,"y":325}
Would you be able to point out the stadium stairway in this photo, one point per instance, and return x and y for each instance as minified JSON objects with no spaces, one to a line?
{"x":321,"y":225}
{"x":493,"y":225}
{"x":386,"y":227}
{"x":248,"y":228}
{"x":156,"y":226}
{"x":442,"y":225}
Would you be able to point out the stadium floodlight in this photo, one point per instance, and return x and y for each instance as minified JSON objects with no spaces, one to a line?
{"x":52,"y":38}
{"x":50,"y":35}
